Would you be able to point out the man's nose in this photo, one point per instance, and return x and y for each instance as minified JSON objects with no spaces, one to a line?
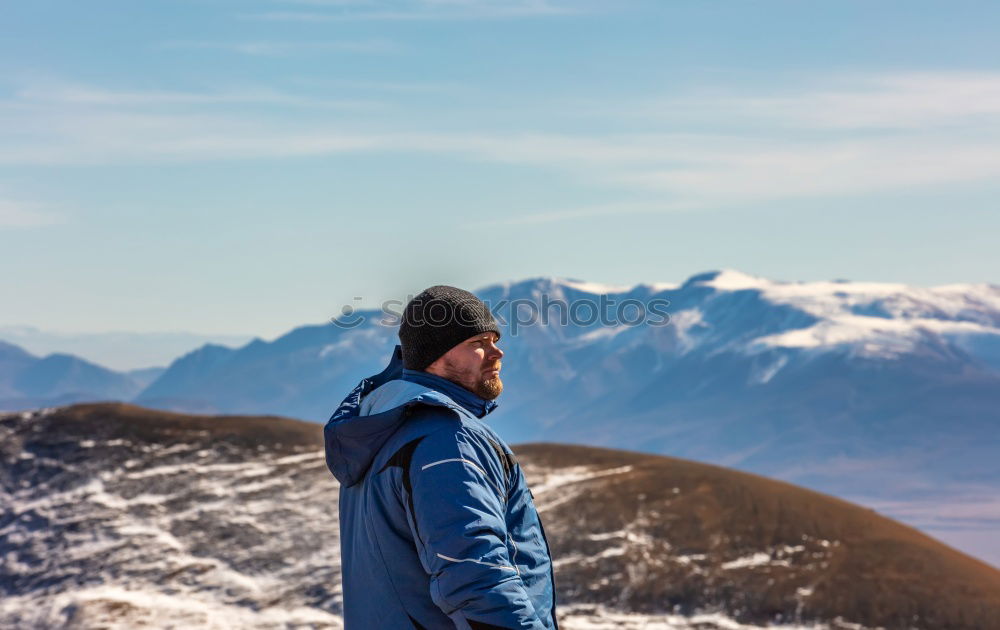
{"x":495,"y":351}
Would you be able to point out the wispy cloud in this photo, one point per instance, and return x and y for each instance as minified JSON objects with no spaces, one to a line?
{"x":407,"y":10}
{"x":957,"y":506}
{"x":914,"y":100}
{"x":19,"y":214}
{"x":55,"y":94}
{"x":401,"y":87}
{"x":908,"y":100}
{"x":536,"y":216}
{"x":288,"y":49}
{"x":768,"y":170}
{"x":954,"y":142}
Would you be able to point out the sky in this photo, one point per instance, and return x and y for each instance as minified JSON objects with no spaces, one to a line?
{"x":245,"y":167}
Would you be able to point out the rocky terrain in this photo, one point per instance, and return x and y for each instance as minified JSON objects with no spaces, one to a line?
{"x":883,"y":394}
{"x":115,"y":516}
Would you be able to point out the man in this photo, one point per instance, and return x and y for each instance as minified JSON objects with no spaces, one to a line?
{"x":438,"y":529}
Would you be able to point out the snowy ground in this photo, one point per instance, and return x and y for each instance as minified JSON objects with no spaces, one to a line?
{"x":600,"y":618}
{"x":123,"y":534}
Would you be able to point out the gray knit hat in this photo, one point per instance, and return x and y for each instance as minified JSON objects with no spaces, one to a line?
{"x":438,"y":319}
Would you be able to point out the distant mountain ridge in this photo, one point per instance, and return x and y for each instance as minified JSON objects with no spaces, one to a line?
{"x":121,"y":351}
{"x":883,"y":393}
{"x":115,"y":516}
{"x":27,"y":381}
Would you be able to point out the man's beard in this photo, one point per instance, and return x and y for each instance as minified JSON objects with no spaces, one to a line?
{"x":489,"y":389}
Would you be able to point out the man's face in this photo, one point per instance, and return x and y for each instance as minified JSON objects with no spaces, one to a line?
{"x":474,"y":364}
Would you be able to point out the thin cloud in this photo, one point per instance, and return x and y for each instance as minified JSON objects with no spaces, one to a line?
{"x":103,"y":99}
{"x":902,"y":101}
{"x":416,"y":10}
{"x":288,"y":49}
{"x":515,"y":218}
{"x":402,"y":87}
{"x":908,"y":101}
{"x":80,"y":124}
{"x":958,"y":506}
{"x":774,"y":170}
{"x":19,"y":214}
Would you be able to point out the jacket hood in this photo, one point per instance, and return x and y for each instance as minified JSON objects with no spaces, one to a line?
{"x":367,"y":418}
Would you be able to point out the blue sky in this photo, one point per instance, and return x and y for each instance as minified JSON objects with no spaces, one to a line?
{"x":248,"y":166}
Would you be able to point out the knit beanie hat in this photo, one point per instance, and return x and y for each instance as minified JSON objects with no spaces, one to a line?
{"x":438,"y":319}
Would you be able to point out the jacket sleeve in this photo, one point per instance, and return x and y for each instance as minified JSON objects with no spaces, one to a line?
{"x":455,"y":508}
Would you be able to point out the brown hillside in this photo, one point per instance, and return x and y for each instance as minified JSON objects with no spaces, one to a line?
{"x":628,"y":531}
{"x":805,"y":556}
{"x":122,"y":420}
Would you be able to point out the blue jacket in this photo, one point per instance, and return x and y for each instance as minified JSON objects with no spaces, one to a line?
{"x":438,"y":529}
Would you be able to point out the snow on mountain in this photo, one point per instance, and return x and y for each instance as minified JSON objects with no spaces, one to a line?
{"x":879,"y":392}
{"x":868,"y":319}
{"x":596,"y":288}
{"x":115,"y":516}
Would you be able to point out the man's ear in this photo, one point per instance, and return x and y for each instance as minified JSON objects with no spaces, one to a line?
{"x":434,"y":368}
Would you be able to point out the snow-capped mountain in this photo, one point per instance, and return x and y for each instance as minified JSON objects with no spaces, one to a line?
{"x":116,"y":516}
{"x":886,"y":394}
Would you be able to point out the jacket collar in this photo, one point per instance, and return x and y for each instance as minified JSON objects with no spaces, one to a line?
{"x":472,"y":403}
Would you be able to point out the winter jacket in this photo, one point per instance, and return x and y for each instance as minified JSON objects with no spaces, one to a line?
{"x":438,"y":529}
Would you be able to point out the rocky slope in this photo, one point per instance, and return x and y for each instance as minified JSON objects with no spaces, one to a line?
{"x":116,"y":516}
{"x":884,"y":394}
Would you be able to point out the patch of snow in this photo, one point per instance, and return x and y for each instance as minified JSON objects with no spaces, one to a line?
{"x":684,"y":324}
{"x":890,"y":336}
{"x":567,"y":559}
{"x":575,"y":474}
{"x":759,"y":559}
{"x":611,"y":552}
{"x":155,"y":533}
{"x":34,"y":414}
{"x":587,"y":617}
{"x":686,"y":560}
{"x":596,"y":288}
{"x":874,"y":319}
{"x":247,"y":488}
{"x":304,"y":457}
{"x":249,"y":469}
{"x":607,"y":535}
{"x":733,"y":280}
{"x":351,"y":341}
{"x":116,"y":607}
{"x":789,"y":549}
{"x":658,"y":287}
{"x":826,"y":290}
{"x":175,"y":448}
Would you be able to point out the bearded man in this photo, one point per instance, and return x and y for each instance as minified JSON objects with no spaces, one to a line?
{"x":438,"y":529}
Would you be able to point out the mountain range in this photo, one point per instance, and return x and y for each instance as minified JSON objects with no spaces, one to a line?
{"x":28,"y":381}
{"x":119,"y":517}
{"x":885,"y":394}
{"x":122,"y":351}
